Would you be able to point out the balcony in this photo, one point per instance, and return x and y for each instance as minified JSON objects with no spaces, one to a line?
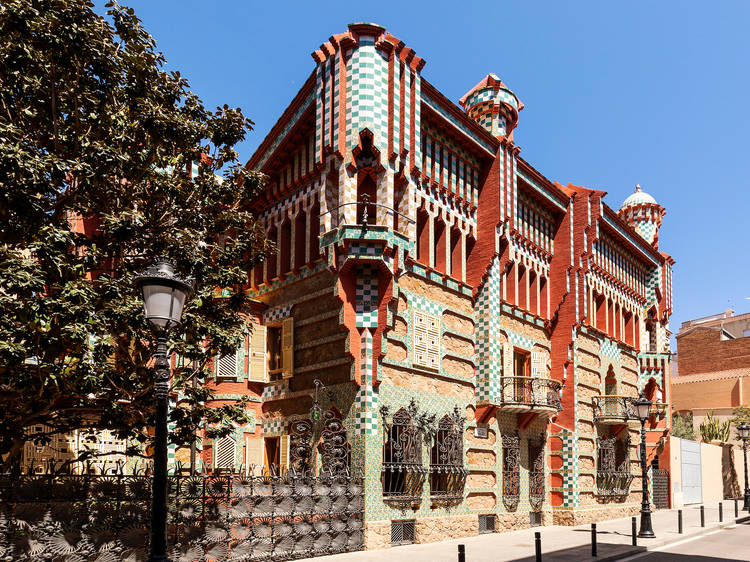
{"x":612,"y":410}
{"x":530,"y":394}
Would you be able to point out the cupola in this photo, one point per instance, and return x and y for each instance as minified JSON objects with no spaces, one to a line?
{"x":493,"y":106}
{"x":641,"y":211}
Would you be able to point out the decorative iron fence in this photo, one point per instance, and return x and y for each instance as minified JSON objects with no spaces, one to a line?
{"x":611,"y":407}
{"x":105,"y":518}
{"x":531,"y":391}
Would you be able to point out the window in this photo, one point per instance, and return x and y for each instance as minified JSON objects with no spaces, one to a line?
{"x":224,"y":454}
{"x":402,"y":532}
{"x":511,"y":474}
{"x":536,"y":474}
{"x":520,"y":372}
{"x":426,"y":340}
{"x":273,"y":341}
{"x":402,"y":472}
{"x":487,"y":523}
{"x":613,"y":476}
{"x":447,"y":473}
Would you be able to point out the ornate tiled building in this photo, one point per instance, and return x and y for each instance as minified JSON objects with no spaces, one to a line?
{"x":441,"y":316}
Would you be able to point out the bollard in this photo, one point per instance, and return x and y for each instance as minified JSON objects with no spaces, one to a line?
{"x":679,"y":521}
{"x":721,"y":512}
{"x":461,"y":553}
{"x":538,"y":545}
{"x":703,"y":517}
{"x":635,"y":540}
{"x":736,"y":508}
{"x":593,"y":539}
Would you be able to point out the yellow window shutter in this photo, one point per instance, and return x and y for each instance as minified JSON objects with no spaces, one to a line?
{"x":283,"y":454}
{"x":254,"y":451}
{"x":258,"y":371}
{"x":538,"y":364}
{"x":287,"y":347}
{"x":507,"y":360}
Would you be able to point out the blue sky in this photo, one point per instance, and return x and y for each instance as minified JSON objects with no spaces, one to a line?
{"x":616,"y":94}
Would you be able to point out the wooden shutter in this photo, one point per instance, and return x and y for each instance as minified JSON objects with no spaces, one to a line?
{"x":508,"y":386}
{"x":287,"y":348}
{"x":258,"y":372}
{"x":242,"y":354}
{"x":226,"y":367}
{"x":254,"y":451}
{"x":283,"y":453}
{"x":224,"y":450}
{"x":539,"y":364}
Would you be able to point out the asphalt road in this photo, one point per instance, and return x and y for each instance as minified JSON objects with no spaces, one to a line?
{"x":731,"y":544}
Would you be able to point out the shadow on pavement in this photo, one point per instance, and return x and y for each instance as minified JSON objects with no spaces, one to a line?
{"x":605,"y":552}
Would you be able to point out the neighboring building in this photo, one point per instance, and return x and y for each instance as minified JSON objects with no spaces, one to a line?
{"x":108,"y":452}
{"x":476,"y":330}
{"x":713,"y":355}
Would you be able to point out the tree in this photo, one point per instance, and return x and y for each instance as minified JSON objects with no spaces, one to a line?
{"x":98,"y":145}
{"x":682,"y":426}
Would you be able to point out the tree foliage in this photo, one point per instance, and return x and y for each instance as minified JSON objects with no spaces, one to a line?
{"x":97,"y":143}
{"x":682,"y":426}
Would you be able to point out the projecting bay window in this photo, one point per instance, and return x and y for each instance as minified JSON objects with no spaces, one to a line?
{"x":447,"y":472}
{"x":402,"y":473}
{"x":613,"y":477}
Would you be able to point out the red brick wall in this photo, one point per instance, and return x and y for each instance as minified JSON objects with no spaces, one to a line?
{"x":702,"y":351}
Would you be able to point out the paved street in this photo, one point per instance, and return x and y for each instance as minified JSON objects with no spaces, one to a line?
{"x":562,"y":544}
{"x":726,"y":544}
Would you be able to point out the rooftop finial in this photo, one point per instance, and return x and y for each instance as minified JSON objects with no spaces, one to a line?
{"x":637,"y":187}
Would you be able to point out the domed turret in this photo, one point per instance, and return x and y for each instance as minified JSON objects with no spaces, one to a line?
{"x":641,"y":211}
{"x":493,"y":105}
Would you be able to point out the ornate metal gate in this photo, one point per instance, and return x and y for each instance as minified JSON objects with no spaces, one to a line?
{"x":511,"y":471}
{"x":660,"y":487}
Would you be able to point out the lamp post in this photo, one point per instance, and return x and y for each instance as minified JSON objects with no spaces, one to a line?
{"x":744,"y":430}
{"x":643,"y":407}
{"x":164,"y":296}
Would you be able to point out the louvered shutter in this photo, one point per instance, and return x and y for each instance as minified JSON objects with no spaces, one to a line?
{"x":287,"y":348}
{"x":224,"y":453}
{"x":539,"y":371}
{"x":242,"y":355}
{"x":254,"y":455}
{"x":283,"y":453}
{"x":226,"y":367}
{"x":507,"y":388}
{"x":258,"y":361}
{"x":538,"y":364}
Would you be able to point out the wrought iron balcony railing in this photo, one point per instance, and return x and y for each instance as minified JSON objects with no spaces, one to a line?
{"x":611,"y":408}
{"x":531,"y":392}
{"x":613,"y":483}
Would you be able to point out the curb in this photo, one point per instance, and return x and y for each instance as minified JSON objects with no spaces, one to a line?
{"x":662,"y":543}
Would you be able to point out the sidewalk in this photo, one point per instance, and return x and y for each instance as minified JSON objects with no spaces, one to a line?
{"x":558,"y":543}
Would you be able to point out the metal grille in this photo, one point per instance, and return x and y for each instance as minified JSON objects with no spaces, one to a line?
{"x":227,"y":366}
{"x":511,"y":475}
{"x":225,"y":453}
{"x":661,"y":488}
{"x":487,"y":523}
{"x":402,"y":532}
{"x":535,"y":518}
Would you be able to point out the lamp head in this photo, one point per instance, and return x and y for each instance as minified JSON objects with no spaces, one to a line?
{"x":164,"y":294}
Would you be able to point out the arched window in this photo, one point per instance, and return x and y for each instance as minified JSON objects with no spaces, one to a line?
{"x":300,"y":239}
{"x":286,"y":246}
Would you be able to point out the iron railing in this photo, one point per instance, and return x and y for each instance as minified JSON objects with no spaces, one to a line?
{"x":613,"y":483}
{"x":530,"y":391}
{"x":225,"y":517}
{"x":612,"y":407}
{"x":366,"y":206}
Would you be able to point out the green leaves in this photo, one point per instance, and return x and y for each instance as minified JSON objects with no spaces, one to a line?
{"x":97,"y":146}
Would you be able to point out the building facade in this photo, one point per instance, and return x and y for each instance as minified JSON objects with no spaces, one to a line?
{"x":441,"y":316}
{"x":713,"y":358}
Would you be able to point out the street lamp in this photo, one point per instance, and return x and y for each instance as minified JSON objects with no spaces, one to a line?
{"x":164,"y":296}
{"x":744,"y":430}
{"x":643,"y":408}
